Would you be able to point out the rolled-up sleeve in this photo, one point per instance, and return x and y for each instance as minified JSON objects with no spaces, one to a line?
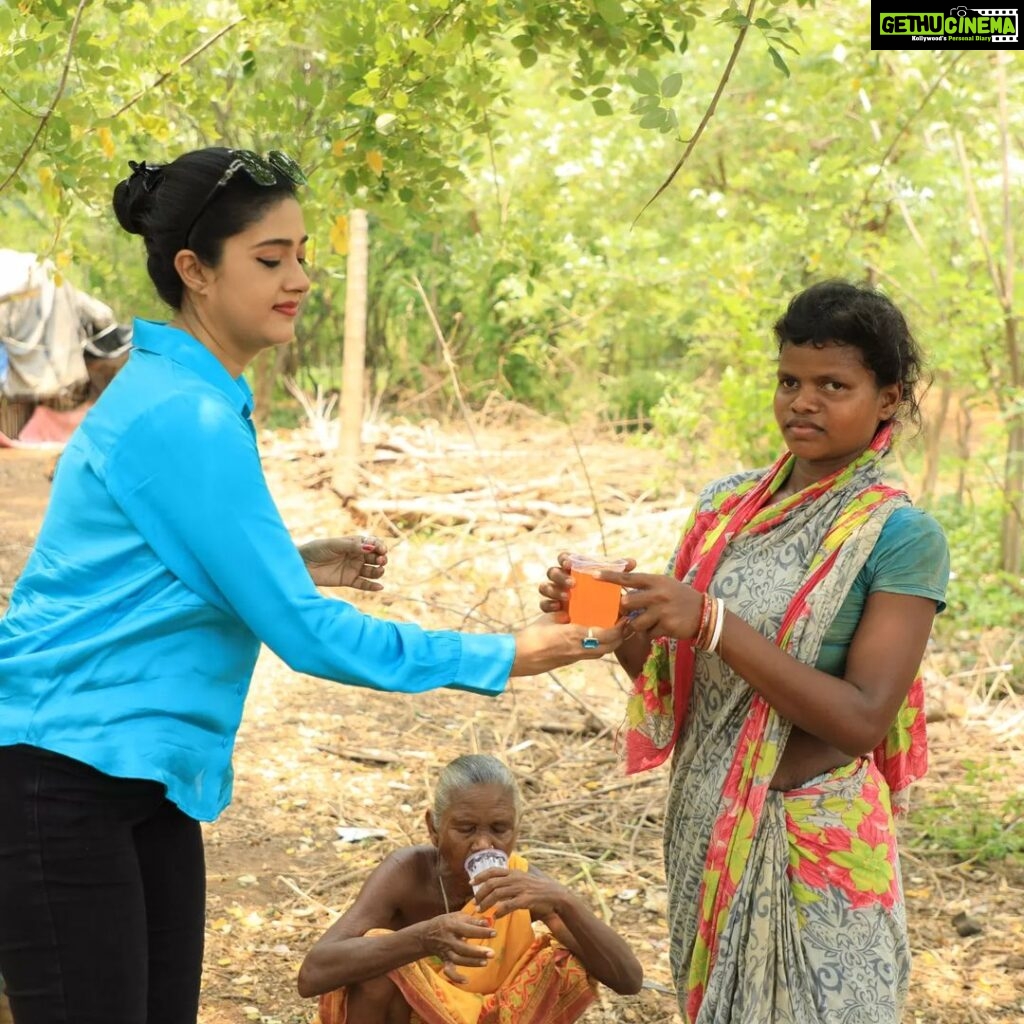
{"x":188,"y":475}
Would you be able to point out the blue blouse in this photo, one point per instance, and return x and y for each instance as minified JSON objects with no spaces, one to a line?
{"x":161,"y":565}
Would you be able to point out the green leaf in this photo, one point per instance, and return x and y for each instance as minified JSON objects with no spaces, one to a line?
{"x":610,"y":11}
{"x":654,"y":119}
{"x":522,"y":42}
{"x":778,"y":61}
{"x":644,"y":104}
{"x":645,"y":82}
{"x":670,"y":86}
{"x":602,"y":108}
{"x":528,"y":58}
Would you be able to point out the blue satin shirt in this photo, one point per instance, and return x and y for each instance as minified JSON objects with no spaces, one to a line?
{"x":161,"y":565}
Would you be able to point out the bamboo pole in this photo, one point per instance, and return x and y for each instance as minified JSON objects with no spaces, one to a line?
{"x":345,"y":480}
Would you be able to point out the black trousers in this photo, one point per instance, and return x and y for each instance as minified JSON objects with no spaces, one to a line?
{"x":102,"y":893}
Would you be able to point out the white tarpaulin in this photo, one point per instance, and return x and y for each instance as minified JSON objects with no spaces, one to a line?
{"x":43,"y":328}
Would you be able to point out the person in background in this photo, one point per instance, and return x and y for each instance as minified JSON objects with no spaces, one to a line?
{"x":776,"y":664}
{"x":161,"y":567}
{"x":420,"y":939}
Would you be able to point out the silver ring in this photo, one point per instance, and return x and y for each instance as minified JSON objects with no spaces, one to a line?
{"x":590,"y":642}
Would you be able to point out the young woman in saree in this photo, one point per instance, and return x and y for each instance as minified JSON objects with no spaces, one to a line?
{"x":776,"y":663}
{"x":421,"y":944}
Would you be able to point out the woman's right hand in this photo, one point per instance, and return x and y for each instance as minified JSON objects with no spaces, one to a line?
{"x":445,"y":937}
{"x":550,"y":642}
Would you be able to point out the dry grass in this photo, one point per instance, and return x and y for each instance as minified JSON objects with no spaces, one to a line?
{"x":313,"y":756}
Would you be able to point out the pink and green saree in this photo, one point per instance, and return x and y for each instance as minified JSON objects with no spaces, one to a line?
{"x":783,"y":907}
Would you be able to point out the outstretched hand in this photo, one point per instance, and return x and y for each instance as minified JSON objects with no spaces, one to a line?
{"x":549,"y":642}
{"x":356,"y":562}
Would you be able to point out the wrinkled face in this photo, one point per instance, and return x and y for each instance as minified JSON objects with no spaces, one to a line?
{"x":828,"y":404}
{"x":479,"y":818}
{"x":252,"y":297}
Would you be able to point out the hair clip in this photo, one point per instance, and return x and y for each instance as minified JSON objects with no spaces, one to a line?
{"x":151,"y":176}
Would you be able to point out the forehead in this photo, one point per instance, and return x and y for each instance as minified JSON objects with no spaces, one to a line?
{"x":282,"y":222}
{"x":482,"y":801}
{"x":832,"y":357}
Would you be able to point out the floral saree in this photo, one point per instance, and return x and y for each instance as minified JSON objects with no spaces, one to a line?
{"x":783,"y":907}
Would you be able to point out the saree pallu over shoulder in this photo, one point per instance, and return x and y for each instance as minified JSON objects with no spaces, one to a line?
{"x":739,"y":889}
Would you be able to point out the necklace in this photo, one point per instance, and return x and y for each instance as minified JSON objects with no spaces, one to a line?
{"x":440,"y":882}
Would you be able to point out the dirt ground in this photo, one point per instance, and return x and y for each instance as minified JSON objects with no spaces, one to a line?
{"x":314,"y":758}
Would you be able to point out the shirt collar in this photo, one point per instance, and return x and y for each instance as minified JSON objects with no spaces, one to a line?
{"x":183,"y":349}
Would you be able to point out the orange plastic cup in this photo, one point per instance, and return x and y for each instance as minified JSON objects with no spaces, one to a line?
{"x":594,"y":602}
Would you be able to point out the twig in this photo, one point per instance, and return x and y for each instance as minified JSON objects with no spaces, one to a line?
{"x":184,"y":60}
{"x":708,"y":114}
{"x":311,"y":900}
{"x":56,"y":96}
{"x":468,"y":419}
{"x":901,"y":131}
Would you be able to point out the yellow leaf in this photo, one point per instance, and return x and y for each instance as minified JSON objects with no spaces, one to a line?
{"x":339,"y":236}
{"x":375,"y":161}
{"x":400,"y":100}
{"x":107,"y":142}
{"x":338,"y":147}
{"x":45,"y":175}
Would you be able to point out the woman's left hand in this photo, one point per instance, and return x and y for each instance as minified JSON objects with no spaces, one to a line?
{"x":356,"y":562}
{"x":663,"y":605}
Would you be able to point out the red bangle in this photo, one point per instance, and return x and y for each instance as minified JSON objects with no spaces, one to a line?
{"x":705,"y":619}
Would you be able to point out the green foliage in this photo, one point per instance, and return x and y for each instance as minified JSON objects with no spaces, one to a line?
{"x":980,"y":596}
{"x":504,"y":149}
{"x":971,"y":820}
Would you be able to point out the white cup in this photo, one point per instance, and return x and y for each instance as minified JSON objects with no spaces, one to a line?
{"x":483,"y":860}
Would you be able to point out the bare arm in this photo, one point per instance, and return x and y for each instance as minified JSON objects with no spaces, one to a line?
{"x":852,"y":713}
{"x":345,"y":955}
{"x":603,"y":953}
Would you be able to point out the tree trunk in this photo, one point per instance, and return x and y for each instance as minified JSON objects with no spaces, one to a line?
{"x":345,"y":481}
{"x":933,"y":443}
{"x":1012,"y":548}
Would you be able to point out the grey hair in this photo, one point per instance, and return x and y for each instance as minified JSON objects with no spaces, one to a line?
{"x":473,"y":770}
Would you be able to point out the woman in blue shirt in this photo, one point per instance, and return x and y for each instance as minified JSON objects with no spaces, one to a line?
{"x":161,"y":566}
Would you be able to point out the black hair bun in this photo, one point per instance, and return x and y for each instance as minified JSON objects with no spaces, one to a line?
{"x":133,"y":197}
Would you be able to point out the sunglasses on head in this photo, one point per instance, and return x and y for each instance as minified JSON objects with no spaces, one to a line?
{"x":260,"y":170}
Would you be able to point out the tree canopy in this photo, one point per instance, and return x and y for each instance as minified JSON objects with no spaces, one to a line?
{"x":505,"y":150}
